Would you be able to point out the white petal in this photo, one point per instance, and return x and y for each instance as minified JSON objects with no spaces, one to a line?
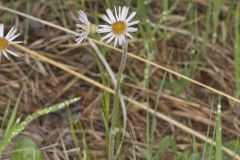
{"x":119,"y":12}
{"x":13,"y":37}
{"x":110,"y":39}
{"x":131,"y":16}
{"x":82,"y":20}
{"x":116,"y":13}
{"x":84,"y":27}
{"x":81,"y":37}
{"x":111,"y":16}
{"x":105,"y":18}
{"x":122,"y":13}
{"x":131,"y":29}
{"x":83,"y":17}
{"x":5,"y":54}
{"x":81,"y":34}
{"x":1,"y":30}
{"x":125,"y":13}
{"x":105,"y":26}
{"x":15,"y":42}
{"x":84,"y":14}
{"x":11,"y":33}
{"x":107,"y":36}
{"x":104,"y":30}
{"x":116,"y":41}
{"x":121,"y":40}
{"x":12,"y":53}
{"x":80,"y":40}
{"x":132,"y":23}
{"x":129,"y":35}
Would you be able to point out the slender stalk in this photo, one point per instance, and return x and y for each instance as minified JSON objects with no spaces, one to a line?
{"x":218,"y":136}
{"x":208,"y":131}
{"x":114,"y":81}
{"x":115,"y":115}
{"x":153,"y":127}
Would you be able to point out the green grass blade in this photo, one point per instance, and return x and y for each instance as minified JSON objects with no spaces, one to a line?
{"x":166,"y":143}
{"x":26,"y":149}
{"x":42,"y":112}
{"x":6,"y":112}
{"x":14,"y":114}
{"x":153,"y":126}
{"x":74,"y":136}
{"x":237,"y":49}
{"x":208,"y":131}
{"x":218,"y":137}
{"x":15,"y":126}
{"x":27,"y":21}
{"x":86,"y":151}
{"x":216,"y":11}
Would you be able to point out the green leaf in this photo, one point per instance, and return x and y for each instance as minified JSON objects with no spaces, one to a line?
{"x":194,"y":156}
{"x":26,"y":149}
{"x":209,"y":152}
{"x":178,"y":86}
{"x":144,"y":152}
{"x":233,"y":145}
{"x":186,"y":154}
{"x":164,"y":145}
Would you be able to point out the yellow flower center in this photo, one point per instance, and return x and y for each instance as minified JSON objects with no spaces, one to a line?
{"x":3,"y":44}
{"x":119,"y":27}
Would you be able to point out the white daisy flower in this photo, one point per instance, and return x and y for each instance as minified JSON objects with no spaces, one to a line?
{"x":8,"y":40}
{"x":84,"y":28}
{"x":119,"y":25}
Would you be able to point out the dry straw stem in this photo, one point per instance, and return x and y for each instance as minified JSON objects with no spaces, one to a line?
{"x":66,"y":68}
{"x":129,"y":54}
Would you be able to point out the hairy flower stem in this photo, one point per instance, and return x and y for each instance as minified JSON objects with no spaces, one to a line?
{"x":115,"y":110}
{"x":114,"y":81}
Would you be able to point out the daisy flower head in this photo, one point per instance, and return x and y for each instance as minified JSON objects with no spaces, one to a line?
{"x":84,"y":28}
{"x":119,"y":25}
{"x":7,"y":40}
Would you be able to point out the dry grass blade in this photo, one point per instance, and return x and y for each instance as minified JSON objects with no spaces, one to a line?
{"x":129,"y":54}
{"x":99,"y":85}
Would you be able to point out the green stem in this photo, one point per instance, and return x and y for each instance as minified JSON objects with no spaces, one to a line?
{"x":115,"y":110}
{"x":114,"y":81}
